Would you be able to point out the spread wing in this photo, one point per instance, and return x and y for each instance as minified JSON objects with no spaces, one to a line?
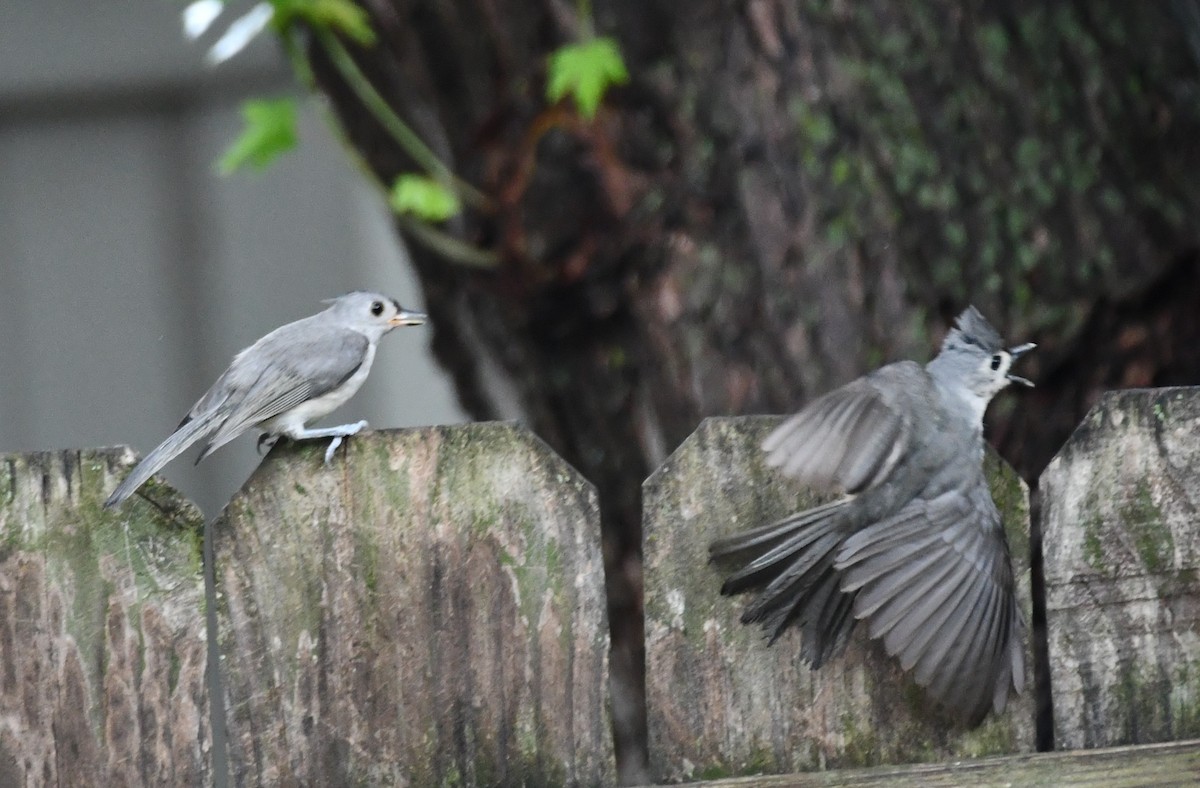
{"x":935,"y":583}
{"x":287,"y":367}
{"x":852,"y":437}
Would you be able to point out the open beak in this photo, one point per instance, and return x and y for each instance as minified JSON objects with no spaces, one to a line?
{"x":406,"y":318}
{"x":1016,"y":353}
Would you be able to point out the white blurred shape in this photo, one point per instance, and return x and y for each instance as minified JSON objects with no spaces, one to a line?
{"x":240,"y":33}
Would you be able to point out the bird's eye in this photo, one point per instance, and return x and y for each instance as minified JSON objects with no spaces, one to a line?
{"x":996,"y":361}
{"x":377,"y":310}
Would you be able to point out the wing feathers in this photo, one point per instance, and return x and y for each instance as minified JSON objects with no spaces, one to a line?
{"x":895,"y":584}
{"x":793,"y":551}
{"x":877,"y":434}
{"x":764,"y":534}
{"x":909,"y":635}
{"x":260,"y":403}
{"x":284,"y":369}
{"x":933,"y":580}
{"x":791,"y":563}
{"x":934,"y":583}
{"x":792,"y":580}
{"x":848,"y":439}
{"x":890,"y":535}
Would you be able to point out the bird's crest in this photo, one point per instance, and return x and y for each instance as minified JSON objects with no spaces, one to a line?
{"x":974,"y":329}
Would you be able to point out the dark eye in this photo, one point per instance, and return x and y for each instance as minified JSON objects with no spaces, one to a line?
{"x":377,"y":310}
{"x":996,"y":359}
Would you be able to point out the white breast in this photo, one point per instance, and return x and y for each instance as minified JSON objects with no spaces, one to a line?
{"x":327,"y":403}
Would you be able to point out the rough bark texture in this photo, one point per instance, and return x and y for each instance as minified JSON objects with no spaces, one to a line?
{"x":786,"y":194}
{"x":1122,"y":557}
{"x":429,"y":610}
{"x":102,"y":639}
{"x":720,"y":701}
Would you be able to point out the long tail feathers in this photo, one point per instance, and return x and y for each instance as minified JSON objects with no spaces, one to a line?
{"x":188,"y":433}
{"x":772,"y":533}
{"x":790,"y":564}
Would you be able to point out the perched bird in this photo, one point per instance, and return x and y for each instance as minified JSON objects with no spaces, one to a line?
{"x":912,"y":545}
{"x":293,"y":375}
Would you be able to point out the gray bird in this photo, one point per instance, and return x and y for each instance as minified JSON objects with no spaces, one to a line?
{"x":293,"y":375}
{"x":913,"y":544}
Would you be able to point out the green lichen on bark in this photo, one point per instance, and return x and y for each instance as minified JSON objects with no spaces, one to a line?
{"x":993,"y":149}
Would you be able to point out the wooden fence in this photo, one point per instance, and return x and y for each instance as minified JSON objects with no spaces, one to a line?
{"x":430,"y":609}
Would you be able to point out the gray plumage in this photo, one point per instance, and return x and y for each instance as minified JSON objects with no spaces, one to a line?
{"x":913,"y":547}
{"x":295,"y":374}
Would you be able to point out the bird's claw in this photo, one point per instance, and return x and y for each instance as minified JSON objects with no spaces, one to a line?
{"x":333,"y":444}
{"x":352,"y":429}
{"x":266,"y":442}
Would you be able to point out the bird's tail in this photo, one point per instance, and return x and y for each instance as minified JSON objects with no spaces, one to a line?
{"x":188,"y":433}
{"x":790,"y":563}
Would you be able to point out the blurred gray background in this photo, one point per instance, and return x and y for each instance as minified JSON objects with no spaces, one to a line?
{"x":130,"y":272}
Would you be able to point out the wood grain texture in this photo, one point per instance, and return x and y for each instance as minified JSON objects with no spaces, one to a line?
{"x":1173,"y":764}
{"x":1122,"y":554}
{"x":720,"y":702}
{"x":429,"y":609}
{"x":102,"y":638}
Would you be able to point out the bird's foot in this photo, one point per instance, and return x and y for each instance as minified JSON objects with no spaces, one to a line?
{"x":266,"y":442}
{"x":344,"y":431}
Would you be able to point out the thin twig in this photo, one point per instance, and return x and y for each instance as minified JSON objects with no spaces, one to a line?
{"x":448,"y":246}
{"x":404,"y":136}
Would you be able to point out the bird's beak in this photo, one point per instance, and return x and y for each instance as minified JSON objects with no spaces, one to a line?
{"x":1020,"y":350}
{"x":1016,"y":353}
{"x":406,"y":318}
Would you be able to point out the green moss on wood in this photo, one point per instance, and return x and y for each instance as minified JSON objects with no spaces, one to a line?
{"x":862,"y":745}
{"x":1093,"y":544}
{"x":102,"y":563}
{"x":1144,"y":521}
{"x":406,"y":511}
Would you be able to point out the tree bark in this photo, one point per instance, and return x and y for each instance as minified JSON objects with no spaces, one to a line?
{"x":783,"y":196}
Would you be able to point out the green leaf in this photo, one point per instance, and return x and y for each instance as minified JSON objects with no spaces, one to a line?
{"x":269,"y":131}
{"x":338,"y":16}
{"x":585,"y":71}
{"x":423,"y":197}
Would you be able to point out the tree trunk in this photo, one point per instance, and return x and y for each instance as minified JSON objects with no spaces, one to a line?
{"x":783,"y":196}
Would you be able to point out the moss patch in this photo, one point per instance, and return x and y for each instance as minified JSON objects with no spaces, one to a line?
{"x":1145,"y":523}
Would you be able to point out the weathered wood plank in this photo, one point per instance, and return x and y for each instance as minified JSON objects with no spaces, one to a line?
{"x":719,"y":701}
{"x":102,"y":638}
{"x":1122,"y":549}
{"x":428,"y":610}
{"x":1173,"y":764}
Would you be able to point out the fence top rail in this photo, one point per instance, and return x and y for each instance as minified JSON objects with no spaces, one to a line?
{"x":1169,"y":763}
